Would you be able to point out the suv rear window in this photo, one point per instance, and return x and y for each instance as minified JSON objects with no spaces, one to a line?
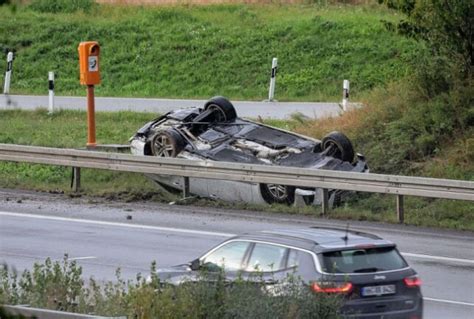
{"x":362,"y":260}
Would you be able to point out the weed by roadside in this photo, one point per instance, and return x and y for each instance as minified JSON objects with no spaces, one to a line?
{"x":58,"y":285}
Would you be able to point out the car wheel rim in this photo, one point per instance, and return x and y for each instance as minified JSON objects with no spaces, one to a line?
{"x":163,"y":146}
{"x":220,"y":115}
{"x":332,"y":150}
{"x":277,"y":191}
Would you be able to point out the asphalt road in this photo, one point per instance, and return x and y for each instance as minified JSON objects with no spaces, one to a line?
{"x":275,"y":110}
{"x":35,"y":226}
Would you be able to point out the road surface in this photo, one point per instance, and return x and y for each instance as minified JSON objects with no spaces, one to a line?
{"x":274,"y":110}
{"x":99,"y":236}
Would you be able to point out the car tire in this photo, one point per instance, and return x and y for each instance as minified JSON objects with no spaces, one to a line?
{"x":224,"y":109}
{"x":167,"y":143}
{"x":277,"y":194}
{"x":338,"y":145}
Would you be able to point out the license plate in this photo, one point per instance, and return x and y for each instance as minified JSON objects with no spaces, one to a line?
{"x":378,"y":290}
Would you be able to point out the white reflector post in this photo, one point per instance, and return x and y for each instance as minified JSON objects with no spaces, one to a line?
{"x":345,"y":95}
{"x":51,"y":92}
{"x":8,"y":73}
{"x":271,"y":91}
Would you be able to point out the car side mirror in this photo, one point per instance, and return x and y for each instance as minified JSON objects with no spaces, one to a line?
{"x":195,"y":264}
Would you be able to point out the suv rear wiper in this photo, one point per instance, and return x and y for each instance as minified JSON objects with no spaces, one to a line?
{"x":370,"y":269}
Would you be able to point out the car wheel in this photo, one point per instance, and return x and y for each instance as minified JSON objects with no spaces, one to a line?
{"x":167,"y":143}
{"x":223,"y":109}
{"x":338,"y":145}
{"x":275,"y":193}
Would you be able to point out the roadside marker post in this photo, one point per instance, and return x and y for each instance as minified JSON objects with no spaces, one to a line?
{"x":51,"y":92}
{"x":345,"y":95}
{"x":271,"y":91}
{"x":8,"y":73}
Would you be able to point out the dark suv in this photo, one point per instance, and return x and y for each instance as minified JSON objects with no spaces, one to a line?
{"x":375,"y":279}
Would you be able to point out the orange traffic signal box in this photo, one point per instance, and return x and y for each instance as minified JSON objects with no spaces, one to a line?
{"x":89,"y":53}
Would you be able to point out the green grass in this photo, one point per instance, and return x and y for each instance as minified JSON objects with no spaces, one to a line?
{"x":68,"y":129}
{"x":202,"y":51}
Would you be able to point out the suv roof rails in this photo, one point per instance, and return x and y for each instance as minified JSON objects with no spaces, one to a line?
{"x":350,"y":231}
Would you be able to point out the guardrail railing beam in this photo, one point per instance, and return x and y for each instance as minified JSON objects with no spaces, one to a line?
{"x":269,"y":174}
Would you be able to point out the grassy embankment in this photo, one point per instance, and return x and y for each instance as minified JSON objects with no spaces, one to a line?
{"x":202,"y":51}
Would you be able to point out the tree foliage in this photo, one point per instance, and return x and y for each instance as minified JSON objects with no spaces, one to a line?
{"x":446,"y":25}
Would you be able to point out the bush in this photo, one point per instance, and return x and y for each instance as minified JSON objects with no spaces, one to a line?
{"x":62,"y":6}
{"x":58,"y":285}
{"x":53,"y":285}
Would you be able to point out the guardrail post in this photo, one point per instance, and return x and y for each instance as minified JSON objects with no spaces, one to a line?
{"x":76,"y":179}
{"x":400,"y":209}
{"x":186,"y":187}
{"x":324,"y":201}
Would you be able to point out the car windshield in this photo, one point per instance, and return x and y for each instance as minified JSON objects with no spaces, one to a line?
{"x":362,"y":260}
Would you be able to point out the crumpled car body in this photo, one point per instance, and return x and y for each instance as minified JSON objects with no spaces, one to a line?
{"x":215,"y":133}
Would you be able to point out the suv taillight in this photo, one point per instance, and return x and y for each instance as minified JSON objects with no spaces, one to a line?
{"x":332,"y":287}
{"x":413,"y":281}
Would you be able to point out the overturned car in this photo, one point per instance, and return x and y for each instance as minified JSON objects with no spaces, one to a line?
{"x":215,"y":133}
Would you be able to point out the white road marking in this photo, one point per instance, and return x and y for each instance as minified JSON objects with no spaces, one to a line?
{"x":44,"y":257}
{"x":450,"y":301}
{"x":103,"y":223}
{"x":82,"y":258}
{"x":421,"y":256}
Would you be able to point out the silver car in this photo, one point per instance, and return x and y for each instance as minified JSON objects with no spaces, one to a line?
{"x":215,"y":133}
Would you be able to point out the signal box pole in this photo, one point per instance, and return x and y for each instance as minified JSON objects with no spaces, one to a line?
{"x":89,"y":53}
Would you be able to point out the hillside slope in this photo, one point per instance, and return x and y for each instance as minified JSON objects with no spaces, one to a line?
{"x":201,"y":51}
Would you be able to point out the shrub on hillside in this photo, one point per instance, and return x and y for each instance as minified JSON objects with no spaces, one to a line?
{"x":65,"y":6}
{"x":447,"y":26}
{"x":411,"y":120}
{"x":400,"y":126}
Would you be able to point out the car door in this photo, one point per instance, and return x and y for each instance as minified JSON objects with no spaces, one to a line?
{"x":267,"y":263}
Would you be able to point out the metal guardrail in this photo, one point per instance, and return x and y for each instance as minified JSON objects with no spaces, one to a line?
{"x":325,"y":179}
{"x":39,"y":313}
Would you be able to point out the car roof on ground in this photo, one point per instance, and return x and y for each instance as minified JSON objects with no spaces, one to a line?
{"x":317,"y":239}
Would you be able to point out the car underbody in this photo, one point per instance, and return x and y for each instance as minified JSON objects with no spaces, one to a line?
{"x":215,"y":133}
